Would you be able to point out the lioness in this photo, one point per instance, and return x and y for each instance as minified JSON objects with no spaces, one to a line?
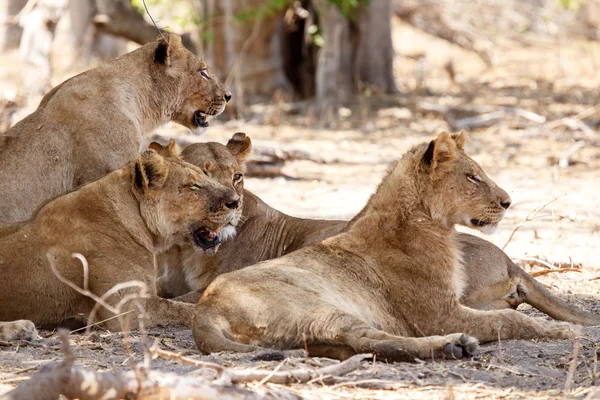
{"x":493,"y":281}
{"x":117,"y":222}
{"x":395,"y":274}
{"x":94,"y":122}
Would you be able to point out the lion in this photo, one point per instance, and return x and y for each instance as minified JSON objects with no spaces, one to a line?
{"x":94,"y":123}
{"x":117,"y":223}
{"x":493,"y":280}
{"x":394,"y":275}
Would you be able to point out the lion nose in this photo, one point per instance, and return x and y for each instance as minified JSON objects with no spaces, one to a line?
{"x":505,"y":203}
{"x":227,"y":96}
{"x":233,"y":203}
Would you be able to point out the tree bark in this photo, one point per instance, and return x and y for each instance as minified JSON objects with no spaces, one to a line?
{"x":375,"y":52}
{"x":358,"y":52}
{"x":39,"y":19}
{"x":335,"y":67}
{"x":10,"y":33}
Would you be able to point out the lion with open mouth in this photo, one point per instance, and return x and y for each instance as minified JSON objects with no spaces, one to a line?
{"x":118,"y":223}
{"x":95,"y":122}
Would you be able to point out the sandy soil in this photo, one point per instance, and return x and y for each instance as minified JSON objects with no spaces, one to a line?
{"x":555,"y":81}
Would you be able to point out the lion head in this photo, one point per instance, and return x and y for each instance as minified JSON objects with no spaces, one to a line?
{"x":454,"y":186}
{"x":226,"y":164}
{"x":201,"y":93}
{"x":180,"y":203}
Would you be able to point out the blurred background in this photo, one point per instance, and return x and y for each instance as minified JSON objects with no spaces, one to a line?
{"x":332,"y":91}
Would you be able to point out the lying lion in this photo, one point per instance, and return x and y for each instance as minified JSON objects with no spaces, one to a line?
{"x":493,"y":281}
{"x":118,"y":223}
{"x":94,"y":122}
{"x":395,"y":275}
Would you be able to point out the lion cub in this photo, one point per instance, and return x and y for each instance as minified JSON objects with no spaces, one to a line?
{"x":395,"y":274}
{"x":118,"y":223}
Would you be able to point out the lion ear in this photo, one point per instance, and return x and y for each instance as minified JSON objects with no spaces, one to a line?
{"x":169,"y":52}
{"x":440,"y":154}
{"x":461,"y":139}
{"x":150,"y":171}
{"x":240,"y":146}
{"x":156,"y":147}
{"x":170,"y":150}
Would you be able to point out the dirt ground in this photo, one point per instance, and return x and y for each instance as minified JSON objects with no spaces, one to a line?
{"x":555,"y":80}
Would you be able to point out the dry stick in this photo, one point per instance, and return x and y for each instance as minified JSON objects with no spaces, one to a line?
{"x":564,"y":161}
{"x":537,"y":261}
{"x":302,"y":375}
{"x":572,"y":366}
{"x":549,"y":271}
{"x":588,"y":112}
{"x":100,"y":301}
{"x":530,"y":217}
{"x":152,"y":19}
{"x":156,"y":351}
{"x":374,"y":384}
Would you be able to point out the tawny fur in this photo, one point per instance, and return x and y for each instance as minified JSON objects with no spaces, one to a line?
{"x":94,"y":122}
{"x":118,"y":223}
{"x":489,"y":278}
{"x":381,"y":285}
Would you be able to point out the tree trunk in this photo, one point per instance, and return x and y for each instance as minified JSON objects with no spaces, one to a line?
{"x":276,"y":51}
{"x":335,"y":68}
{"x":358,"y":52}
{"x":39,"y":21}
{"x":10,"y":33}
{"x":375,"y":52}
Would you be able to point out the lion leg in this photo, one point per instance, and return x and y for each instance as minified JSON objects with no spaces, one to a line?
{"x":341,"y":336}
{"x":390,"y":348}
{"x":534,"y":293}
{"x":157,"y":312}
{"x":190,"y":297}
{"x":499,"y":296}
{"x":489,"y":326}
{"x":211,"y":334}
{"x":22,"y":329}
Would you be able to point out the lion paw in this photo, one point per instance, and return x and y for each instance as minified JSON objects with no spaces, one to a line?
{"x":22,"y":329}
{"x":459,"y":346}
{"x":564,"y":330}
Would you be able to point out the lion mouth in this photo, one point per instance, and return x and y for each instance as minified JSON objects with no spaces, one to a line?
{"x":200,"y":119}
{"x":206,"y":238}
{"x":479,"y":223}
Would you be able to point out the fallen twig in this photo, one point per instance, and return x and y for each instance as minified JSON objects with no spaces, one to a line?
{"x":572,"y":365}
{"x":156,"y":351}
{"x":530,"y":217}
{"x":564,"y":161}
{"x":297,"y":376}
{"x":536,"y":261}
{"x":549,"y":271}
{"x":486,"y":114}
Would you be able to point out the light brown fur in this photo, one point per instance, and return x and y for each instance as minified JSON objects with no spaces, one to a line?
{"x":492,"y":280}
{"x":394,"y":275}
{"x":118,"y":223}
{"x":94,"y":122}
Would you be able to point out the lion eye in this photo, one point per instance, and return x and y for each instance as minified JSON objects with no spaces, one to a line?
{"x":204,"y":74}
{"x":473,"y":179}
{"x":237,"y":178}
{"x":195,"y":186}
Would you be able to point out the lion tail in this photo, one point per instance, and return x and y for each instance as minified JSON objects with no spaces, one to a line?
{"x":542,"y":299}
